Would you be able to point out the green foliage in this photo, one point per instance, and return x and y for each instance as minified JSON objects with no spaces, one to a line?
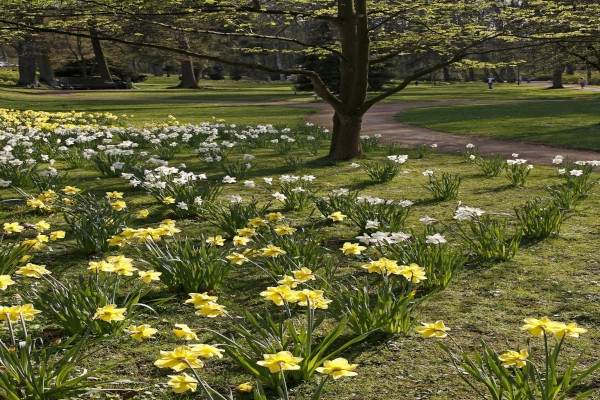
{"x":491,"y":166}
{"x":489,"y":239}
{"x":234,"y":215}
{"x":93,"y":221}
{"x":187,"y":267}
{"x":444,"y":188}
{"x":539,"y":218}
{"x":517,"y":171}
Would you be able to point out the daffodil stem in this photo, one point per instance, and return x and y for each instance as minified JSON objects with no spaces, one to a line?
{"x":317,"y":395}
{"x":286,"y":395}
{"x":547,"y":363}
{"x":22,"y":320}
{"x":11,"y":331}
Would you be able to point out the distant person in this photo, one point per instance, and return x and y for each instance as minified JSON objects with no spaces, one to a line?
{"x":416,"y":83}
{"x":490,"y":82}
{"x":582,"y":82}
{"x":519,"y":79}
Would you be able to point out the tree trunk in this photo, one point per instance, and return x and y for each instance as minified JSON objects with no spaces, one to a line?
{"x":471,"y":74}
{"x":45,"y":67}
{"x":101,"y":61}
{"x":188,"y":78}
{"x":345,"y":140}
{"x":557,"y":77}
{"x":27,"y":66}
{"x":446,"y":72}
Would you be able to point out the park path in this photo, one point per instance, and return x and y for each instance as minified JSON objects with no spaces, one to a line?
{"x":381,"y":119}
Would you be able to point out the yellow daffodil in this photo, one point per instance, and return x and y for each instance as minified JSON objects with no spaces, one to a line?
{"x":280,"y":294}
{"x":30,"y":270}
{"x":514,"y":358}
{"x":70,"y":190}
{"x":337,"y":368}
{"x":215,"y":240}
{"x":110,"y":313}
{"x":14,"y":313}
{"x":352,"y":248}
{"x":142,"y":213}
{"x":282,"y":361}
{"x":382,"y":266}
{"x":199,"y":299}
{"x":257,"y":222}
{"x":117,"y":241}
{"x":207,"y":351}
{"x":41,"y":226}
{"x":180,"y":358}
{"x":272,"y":251}
{"x":182,"y":383}
{"x":210,"y":310}
{"x":57,"y":235}
{"x":245,"y":387}
{"x":13,"y":227}
{"x":182,"y":331}
{"x":168,"y":200}
{"x":568,"y":330}
{"x":289,"y":281}
{"x":437,"y":329}
{"x":304,"y":275}
{"x":274,"y":216}
{"x":337,"y":216}
{"x":537,"y":327}
{"x":141,"y":332}
{"x":284,"y":230}
{"x":246,"y":232}
{"x":240,"y":240}
{"x":118,"y":205}
{"x":114,"y":195}
{"x":5,"y":281}
{"x":413,"y":273}
{"x":101,"y":266}
{"x":237,"y":258}
{"x":149,"y":276}
{"x":314,"y":298}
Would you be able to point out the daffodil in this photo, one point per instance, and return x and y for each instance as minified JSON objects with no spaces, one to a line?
{"x":352,"y":248}
{"x":114,"y":195}
{"x":280,"y":294}
{"x":537,"y":327}
{"x":336,"y":216}
{"x":413,"y":273}
{"x":25,"y":311}
{"x":141,"y":332}
{"x":437,"y":329}
{"x":240,"y":240}
{"x":282,"y":361}
{"x":382,"y":266}
{"x":199,"y":299}
{"x":118,"y":205}
{"x":304,"y":275}
{"x":246,"y":232}
{"x":257,"y":222}
{"x":149,"y":276}
{"x":41,"y":226}
{"x":337,"y":368}
{"x":70,"y":190}
{"x":568,"y":330}
{"x":168,"y":200}
{"x":142,"y":213}
{"x":284,"y":230}
{"x":244,"y":387}
{"x":180,"y":358}
{"x":274,"y":216}
{"x":210,"y":310}
{"x":215,"y":240}
{"x":110,"y":313}
{"x":314,"y":298}
{"x":207,"y":350}
{"x":182,"y":383}
{"x":182,"y":331}
{"x":13,"y":227}
{"x":272,"y":251}
{"x":237,"y":258}
{"x":514,"y":358}
{"x":57,"y":235}
{"x":30,"y":270}
{"x":5,"y":281}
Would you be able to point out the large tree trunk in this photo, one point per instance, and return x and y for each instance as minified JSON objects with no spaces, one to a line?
{"x":188,"y":77}
{"x":27,"y":65}
{"x":446,"y":72}
{"x":471,"y":75}
{"x":101,"y":61}
{"x":45,"y":67}
{"x":557,"y":77}
{"x":345,"y":141}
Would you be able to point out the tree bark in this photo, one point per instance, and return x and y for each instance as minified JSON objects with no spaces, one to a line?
{"x":345,"y":141}
{"x":471,"y":74}
{"x":557,"y":77}
{"x":27,"y":65}
{"x":101,"y":61}
{"x":188,"y":77}
{"x":446,"y":72}
{"x":45,"y":67}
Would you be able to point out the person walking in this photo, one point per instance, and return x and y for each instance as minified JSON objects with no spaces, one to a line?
{"x":490,"y":82}
{"x":582,"y":82}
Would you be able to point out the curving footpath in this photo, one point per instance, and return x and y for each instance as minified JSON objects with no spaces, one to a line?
{"x":380,"y":119}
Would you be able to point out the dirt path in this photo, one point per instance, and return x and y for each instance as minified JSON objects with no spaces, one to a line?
{"x":381,"y":120}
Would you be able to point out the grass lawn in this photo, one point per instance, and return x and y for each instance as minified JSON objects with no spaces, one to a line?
{"x":556,"y":277}
{"x":572,"y":123}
